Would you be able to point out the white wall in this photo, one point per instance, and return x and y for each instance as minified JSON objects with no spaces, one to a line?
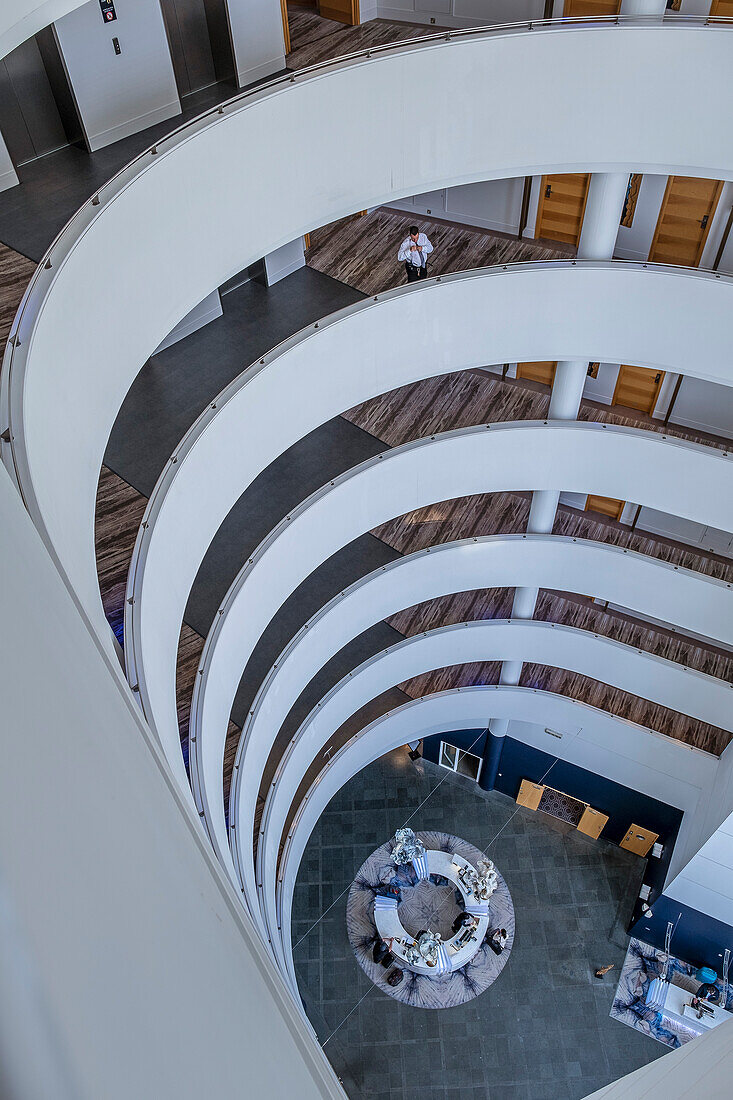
{"x":494,"y":205}
{"x":207,"y":310}
{"x":458,"y":13}
{"x":20,"y":19}
{"x":142,"y":961}
{"x":706,"y":882}
{"x":704,"y":536}
{"x":118,"y":95}
{"x":256,"y":31}
{"x":704,"y":406}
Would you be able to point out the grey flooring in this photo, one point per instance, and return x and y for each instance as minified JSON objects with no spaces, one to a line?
{"x":542,"y":1031}
{"x":53,"y":187}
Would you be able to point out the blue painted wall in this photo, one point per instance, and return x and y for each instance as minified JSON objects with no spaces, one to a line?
{"x":697,"y":938}
{"x":623,"y":805}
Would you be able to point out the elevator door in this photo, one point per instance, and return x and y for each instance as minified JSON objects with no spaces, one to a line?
{"x":562,"y":206}
{"x":684,"y":220}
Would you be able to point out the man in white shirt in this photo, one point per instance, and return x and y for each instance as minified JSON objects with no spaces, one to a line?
{"x":413,"y":253}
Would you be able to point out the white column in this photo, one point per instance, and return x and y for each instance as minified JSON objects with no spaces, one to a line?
{"x":603,"y":209}
{"x":284,"y":261}
{"x":256,"y":32}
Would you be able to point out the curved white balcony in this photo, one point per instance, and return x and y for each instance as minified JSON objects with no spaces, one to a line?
{"x":20,"y":19}
{"x":655,"y":678}
{"x":462,"y":321}
{"x":213,"y":197}
{"x":468,"y":708}
{"x":696,"y":603}
{"x":668,"y":474}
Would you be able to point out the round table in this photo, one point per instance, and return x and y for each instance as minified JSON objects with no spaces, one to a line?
{"x":460,"y":948}
{"x":433,"y":908}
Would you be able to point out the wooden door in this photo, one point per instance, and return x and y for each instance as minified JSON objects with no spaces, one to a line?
{"x":537,"y":372}
{"x":639,"y":840}
{"x":591,"y":7}
{"x":343,"y":11}
{"x":607,"y":506}
{"x":286,"y":25}
{"x":723,"y":9}
{"x":592,"y":822}
{"x":637,"y":388}
{"x":562,"y":206}
{"x":684,"y":220}
{"x":530,"y":794}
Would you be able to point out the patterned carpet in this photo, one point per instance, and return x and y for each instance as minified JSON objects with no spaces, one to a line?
{"x":641,"y":965}
{"x":372,"y":267}
{"x":314,"y":39}
{"x":425,"y":905}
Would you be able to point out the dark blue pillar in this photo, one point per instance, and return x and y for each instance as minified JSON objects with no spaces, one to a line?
{"x":492,"y":761}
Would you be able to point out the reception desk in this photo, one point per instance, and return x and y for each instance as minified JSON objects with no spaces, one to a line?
{"x":677,"y":1008}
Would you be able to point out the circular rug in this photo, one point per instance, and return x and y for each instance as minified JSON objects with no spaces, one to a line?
{"x":431,"y":905}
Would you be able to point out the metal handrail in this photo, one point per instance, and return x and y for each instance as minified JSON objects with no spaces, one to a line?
{"x":64,"y":241}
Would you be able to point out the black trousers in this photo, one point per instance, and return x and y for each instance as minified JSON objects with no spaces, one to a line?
{"x":414,"y":273}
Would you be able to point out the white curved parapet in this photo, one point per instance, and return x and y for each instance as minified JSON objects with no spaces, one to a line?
{"x":671,"y":475}
{"x":462,"y":321}
{"x":214,"y":197}
{"x":623,"y":577}
{"x":469,"y":708}
{"x":621,"y":666}
{"x":20,"y":19}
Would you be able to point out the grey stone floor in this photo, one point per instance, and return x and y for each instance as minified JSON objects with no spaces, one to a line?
{"x":542,"y":1031}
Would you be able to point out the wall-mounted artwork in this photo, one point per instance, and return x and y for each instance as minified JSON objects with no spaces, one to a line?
{"x":632,"y":194}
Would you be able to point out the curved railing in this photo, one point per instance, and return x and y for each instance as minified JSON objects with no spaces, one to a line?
{"x":459,"y":321}
{"x":671,"y":475}
{"x":683,"y":772}
{"x":222,"y":197}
